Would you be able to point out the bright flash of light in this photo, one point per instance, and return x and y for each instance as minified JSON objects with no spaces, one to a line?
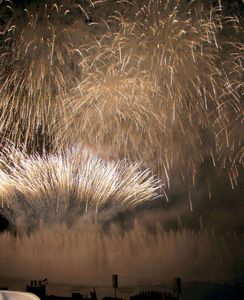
{"x":154,"y":81}
{"x":62,"y":187}
{"x":164,"y":85}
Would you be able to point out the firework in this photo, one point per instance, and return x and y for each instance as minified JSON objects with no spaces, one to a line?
{"x":62,"y":187}
{"x":39,"y":53}
{"x":164,"y":85}
{"x":154,"y":81}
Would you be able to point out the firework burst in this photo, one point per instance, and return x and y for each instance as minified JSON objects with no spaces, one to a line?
{"x":154,"y":81}
{"x":62,"y":187}
{"x":40,"y":55}
{"x":164,"y":85}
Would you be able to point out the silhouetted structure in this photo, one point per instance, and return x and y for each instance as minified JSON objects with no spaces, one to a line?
{"x":153,"y":295}
{"x":93,"y":295}
{"x":115,"y":284}
{"x":111,"y":298}
{"x":177,"y":287}
{"x":75,"y":296}
{"x":38,"y":287}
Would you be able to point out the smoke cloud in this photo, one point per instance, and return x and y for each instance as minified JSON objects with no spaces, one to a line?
{"x":88,"y":254}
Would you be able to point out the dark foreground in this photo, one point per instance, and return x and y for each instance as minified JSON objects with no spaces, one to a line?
{"x":231,"y":290}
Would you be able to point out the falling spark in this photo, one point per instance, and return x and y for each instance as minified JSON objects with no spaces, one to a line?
{"x":64,"y":186}
{"x":153,"y":81}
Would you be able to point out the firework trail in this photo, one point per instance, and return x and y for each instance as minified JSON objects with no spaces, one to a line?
{"x":164,"y":85}
{"x":157,"y":81}
{"x":62,"y":187}
{"x":39,"y":50}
